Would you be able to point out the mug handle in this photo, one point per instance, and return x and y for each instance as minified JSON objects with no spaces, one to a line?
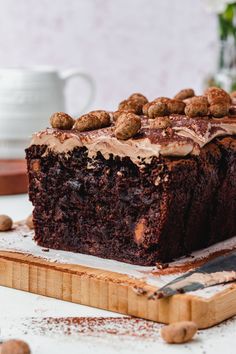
{"x":68,"y":74}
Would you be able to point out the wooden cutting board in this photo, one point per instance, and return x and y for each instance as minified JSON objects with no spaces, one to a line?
{"x":105,"y":289}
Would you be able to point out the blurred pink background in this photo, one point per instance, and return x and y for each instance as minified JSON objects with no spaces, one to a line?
{"x":154,"y":46}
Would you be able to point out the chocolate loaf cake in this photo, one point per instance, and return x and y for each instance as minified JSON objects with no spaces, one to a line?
{"x":148,"y":183}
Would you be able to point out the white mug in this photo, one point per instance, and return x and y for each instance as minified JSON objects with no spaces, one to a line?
{"x":28,"y":97}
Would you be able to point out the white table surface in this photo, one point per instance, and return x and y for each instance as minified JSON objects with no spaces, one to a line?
{"x":17,"y":308}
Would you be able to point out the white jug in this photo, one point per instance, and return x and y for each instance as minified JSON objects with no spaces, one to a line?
{"x":28,"y":97}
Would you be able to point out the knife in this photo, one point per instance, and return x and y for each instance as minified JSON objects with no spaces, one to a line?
{"x":220,"y":270}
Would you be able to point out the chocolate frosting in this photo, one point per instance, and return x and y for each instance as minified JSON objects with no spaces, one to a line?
{"x":186,"y":137}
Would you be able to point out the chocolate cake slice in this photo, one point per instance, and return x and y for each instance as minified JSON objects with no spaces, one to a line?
{"x":141,"y":185}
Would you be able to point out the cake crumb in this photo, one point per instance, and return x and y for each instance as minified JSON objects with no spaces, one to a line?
{"x":160,"y":265}
{"x":139,"y":290}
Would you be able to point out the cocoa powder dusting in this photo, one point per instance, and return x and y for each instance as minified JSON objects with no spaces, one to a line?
{"x":95,"y":326}
{"x":188,"y":265}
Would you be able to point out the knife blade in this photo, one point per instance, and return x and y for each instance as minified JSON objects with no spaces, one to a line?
{"x":220,"y":270}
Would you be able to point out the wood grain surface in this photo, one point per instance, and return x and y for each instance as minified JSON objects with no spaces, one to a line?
{"x":111,"y":291}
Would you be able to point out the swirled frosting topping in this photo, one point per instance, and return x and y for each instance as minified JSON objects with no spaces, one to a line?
{"x":186,"y":136}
